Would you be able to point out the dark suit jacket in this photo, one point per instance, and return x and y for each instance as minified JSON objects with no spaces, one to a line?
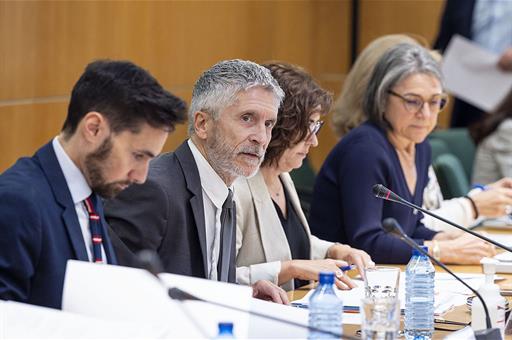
{"x":165,"y":214}
{"x":458,"y":19}
{"x":39,"y":230}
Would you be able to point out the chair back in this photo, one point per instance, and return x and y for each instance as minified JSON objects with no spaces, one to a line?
{"x":304,"y":181}
{"x":459,"y":142}
{"x":451,"y":176}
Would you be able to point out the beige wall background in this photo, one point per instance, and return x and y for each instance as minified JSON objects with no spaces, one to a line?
{"x":46,"y":45}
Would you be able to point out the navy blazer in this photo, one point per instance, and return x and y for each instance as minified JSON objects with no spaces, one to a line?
{"x":39,"y":230}
{"x":344,"y":208}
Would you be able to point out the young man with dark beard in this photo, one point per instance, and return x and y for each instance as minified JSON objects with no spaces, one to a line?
{"x":118,"y":120}
{"x":185,"y":210}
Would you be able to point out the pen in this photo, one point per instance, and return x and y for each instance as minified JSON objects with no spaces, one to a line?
{"x":347,"y":268}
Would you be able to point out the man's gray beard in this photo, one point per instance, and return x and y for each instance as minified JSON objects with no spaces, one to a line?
{"x":222,"y":158}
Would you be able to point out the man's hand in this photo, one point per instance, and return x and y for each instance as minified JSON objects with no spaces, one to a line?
{"x":266,"y":290}
{"x":505,"y":62}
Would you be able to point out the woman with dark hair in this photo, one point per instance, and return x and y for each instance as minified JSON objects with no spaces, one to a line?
{"x":273,"y":237}
{"x":493,"y":137}
{"x":402,"y":101}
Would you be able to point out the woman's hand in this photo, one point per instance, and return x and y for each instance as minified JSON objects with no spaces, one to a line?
{"x":351,"y":255}
{"x":505,"y":182}
{"x":494,"y":202}
{"x":465,"y":249}
{"x":310,"y":270}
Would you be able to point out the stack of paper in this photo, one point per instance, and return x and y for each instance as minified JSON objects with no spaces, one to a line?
{"x":448,"y":293}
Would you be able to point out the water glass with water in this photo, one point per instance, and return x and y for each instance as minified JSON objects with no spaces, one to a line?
{"x":380,"y":318}
{"x":382,"y":281}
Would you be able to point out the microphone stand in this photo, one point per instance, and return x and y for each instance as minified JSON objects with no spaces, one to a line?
{"x":389,"y":195}
{"x":391,"y":226}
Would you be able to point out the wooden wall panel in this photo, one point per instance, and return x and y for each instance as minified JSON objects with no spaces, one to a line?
{"x":380,"y":17}
{"x":46,"y":45}
{"x":420,"y":17}
{"x":26,"y":127}
{"x":330,"y":64}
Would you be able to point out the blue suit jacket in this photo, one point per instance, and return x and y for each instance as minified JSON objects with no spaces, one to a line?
{"x":39,"y":230}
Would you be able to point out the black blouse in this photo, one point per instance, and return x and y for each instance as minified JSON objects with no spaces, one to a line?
{"x":296,"y":235}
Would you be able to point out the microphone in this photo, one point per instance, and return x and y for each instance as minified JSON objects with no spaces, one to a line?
{"x":384,"y":193}
{"x":150,"y":261}
{"x":391,"y":226}
{"x":381,"y":191}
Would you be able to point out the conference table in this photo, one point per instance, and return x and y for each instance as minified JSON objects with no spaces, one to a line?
{"x":460,"y":314}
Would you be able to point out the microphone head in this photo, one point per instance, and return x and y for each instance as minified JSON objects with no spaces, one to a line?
{"x":150,"y":261}
{"x":391,"y":226}
{"x":181,"y":295}
{"x":379,"y":191}
{"x":384,"y":193}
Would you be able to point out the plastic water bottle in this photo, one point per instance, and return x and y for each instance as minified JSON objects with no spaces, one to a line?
{"x":225,"y":331}
{"x":325,"y":309}
{"x":419,"y":297}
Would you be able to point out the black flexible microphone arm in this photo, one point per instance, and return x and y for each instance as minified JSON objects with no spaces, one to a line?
{"x":384,"y":193}
{"x":391,"y":226}
{"x":181,"y":295}
{"x":150,"y":261}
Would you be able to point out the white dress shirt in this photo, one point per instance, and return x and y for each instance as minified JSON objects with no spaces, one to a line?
{"x":492,"y":25}
{"x":215,"y":192}
{"x":79,"y":190}
{"x":458,"y":210}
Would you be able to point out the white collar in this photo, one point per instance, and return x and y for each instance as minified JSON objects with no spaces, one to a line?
{"x":77,"y":184}
{"x":211,"y":182}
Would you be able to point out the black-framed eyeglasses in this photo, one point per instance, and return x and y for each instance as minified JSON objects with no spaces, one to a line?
{"x":414,"y":103}
{"x":314,"y":127}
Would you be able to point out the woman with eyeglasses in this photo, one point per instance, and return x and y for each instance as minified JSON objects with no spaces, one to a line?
{"x":273,"y":237}
{"x":402,"y":101}
{"x":347,"y":113}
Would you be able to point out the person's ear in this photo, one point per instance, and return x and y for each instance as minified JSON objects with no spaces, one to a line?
{"x":202,"y":122}
{"x":94,"y":128}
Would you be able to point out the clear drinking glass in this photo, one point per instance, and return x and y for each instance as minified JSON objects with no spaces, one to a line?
{"x":382,"y":281}
{"x":380,"y":318}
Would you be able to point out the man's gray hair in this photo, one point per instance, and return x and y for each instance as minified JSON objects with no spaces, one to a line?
{"x":396,"y":64}
{"x":218,"y":87}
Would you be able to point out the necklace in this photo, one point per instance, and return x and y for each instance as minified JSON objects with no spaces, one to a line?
{"x":276,"y":193}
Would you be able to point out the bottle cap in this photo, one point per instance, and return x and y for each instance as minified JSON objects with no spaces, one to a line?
{"x":225,"y":327}
{"x":326,"y":278}
{"x":417,"y":253}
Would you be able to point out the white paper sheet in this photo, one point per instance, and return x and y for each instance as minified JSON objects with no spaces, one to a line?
{"x":504,"y":239}
{"x":448,"y":292}
{"x":503,"y":222}
{"x":472,"y":74}
{"x":207,"y":316}
{"x":352,"y":298}
{"x":264,"y":328}
{"x":465,"y":333}
{"x":22,"y":321}
{"x":124,"y":294}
